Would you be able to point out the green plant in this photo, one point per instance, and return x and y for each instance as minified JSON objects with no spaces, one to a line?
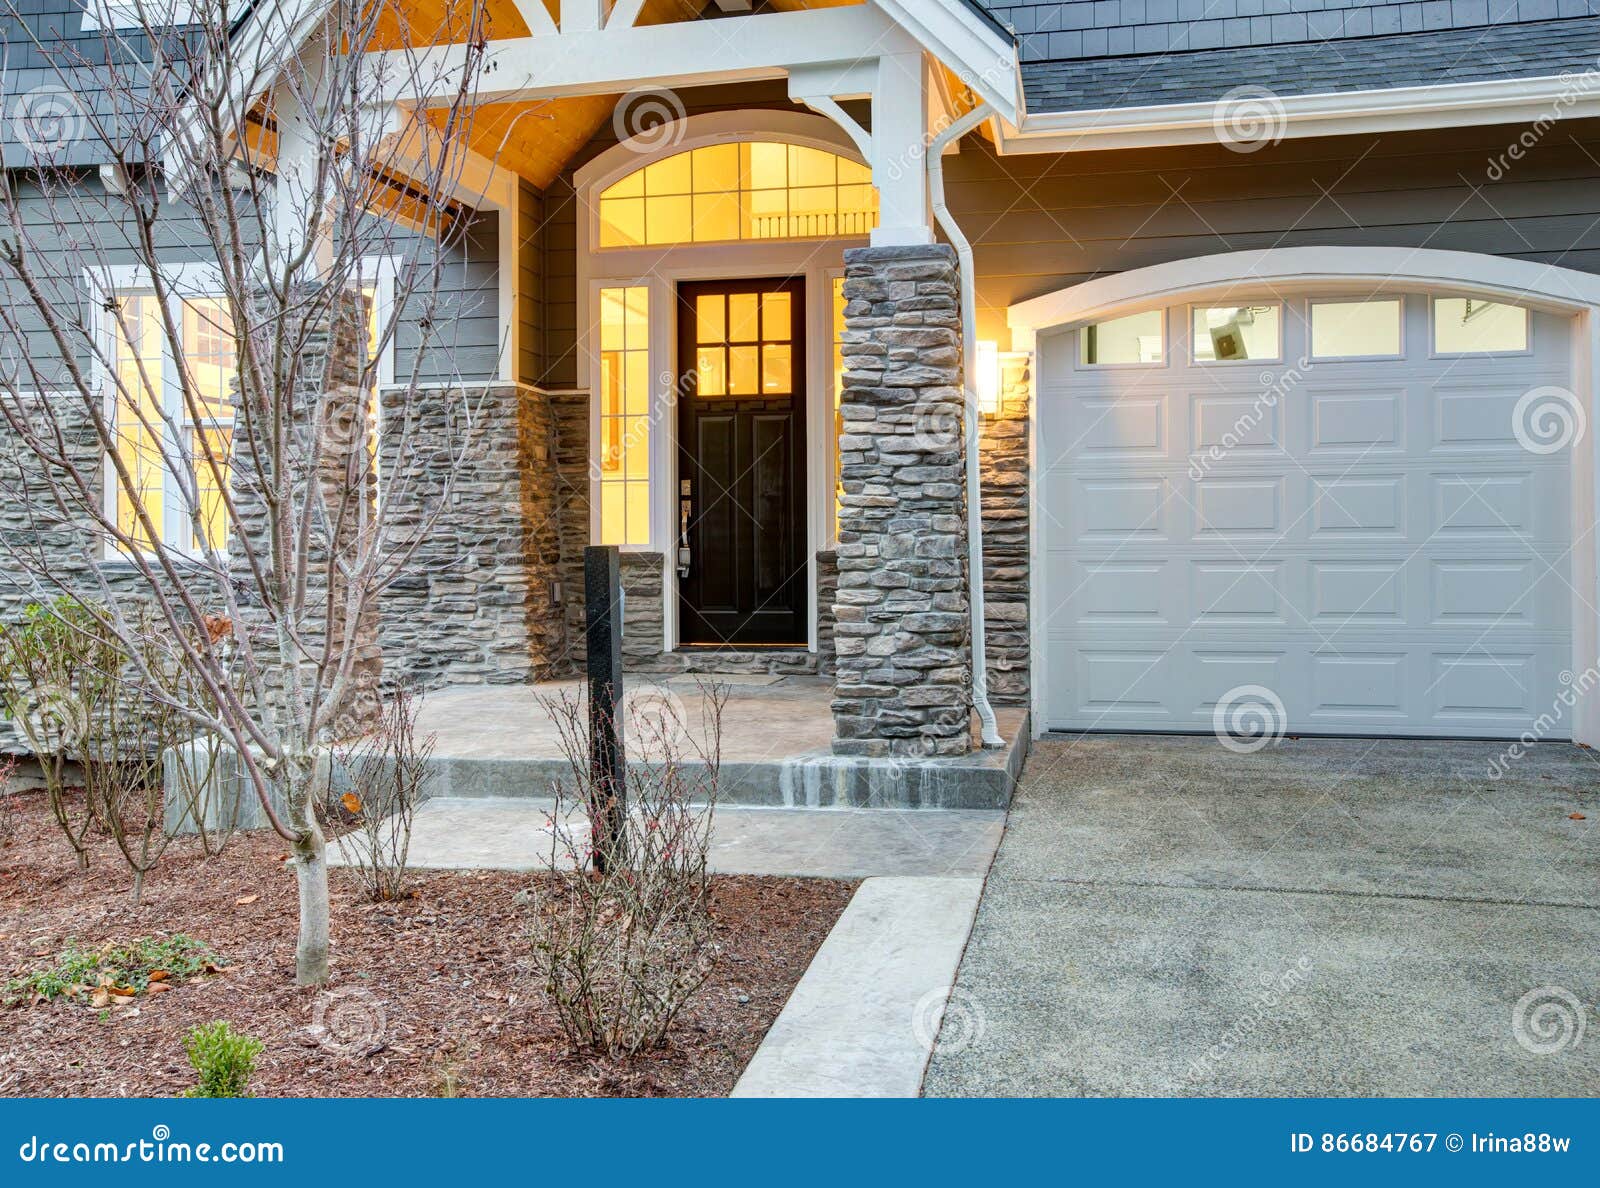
{"x":80,"y":974}
{"x":56,"y":663}
{"x":223,"y":1060}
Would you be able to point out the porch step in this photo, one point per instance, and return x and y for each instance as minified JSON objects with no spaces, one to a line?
{"x":727,"y":662}
{"x":815,"y":779}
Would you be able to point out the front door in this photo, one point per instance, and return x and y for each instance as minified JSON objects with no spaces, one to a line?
{"x":741,"y":463}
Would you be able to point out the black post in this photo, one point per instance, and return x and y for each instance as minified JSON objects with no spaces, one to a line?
{"x":602,"y":597}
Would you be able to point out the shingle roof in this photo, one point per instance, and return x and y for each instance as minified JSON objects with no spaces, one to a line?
{"x":1531,"y":50}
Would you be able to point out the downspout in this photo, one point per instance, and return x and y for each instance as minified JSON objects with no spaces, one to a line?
{"x":969,"y":352}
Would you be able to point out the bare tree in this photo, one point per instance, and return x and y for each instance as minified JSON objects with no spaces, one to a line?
{"x":191,"y":351}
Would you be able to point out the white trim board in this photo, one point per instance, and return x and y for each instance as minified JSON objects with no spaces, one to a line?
{"x":1332,"y":113}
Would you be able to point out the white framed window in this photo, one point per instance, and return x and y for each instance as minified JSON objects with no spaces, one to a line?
{"x":1472,"y":326}
{"x":1237,"y":333}
{"x":1370,"y":329}
{"x":156,"y":433}
{"x":155,"y":429}
{"x":622,"y":418}
{"x":1133,"y":340}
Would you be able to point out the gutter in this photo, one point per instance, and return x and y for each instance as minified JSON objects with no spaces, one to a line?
{"x":969,"y":390}
{"x":1327,"y":113}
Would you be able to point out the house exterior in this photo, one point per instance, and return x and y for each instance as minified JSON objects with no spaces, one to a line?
{"x":1127,"y":360}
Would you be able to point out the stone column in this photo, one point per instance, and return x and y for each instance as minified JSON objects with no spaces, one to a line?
{"x":903,"y":684}
{"x":328,"y":420}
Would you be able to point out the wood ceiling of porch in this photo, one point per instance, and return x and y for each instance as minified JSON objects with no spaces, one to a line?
{"x":535,"y":140}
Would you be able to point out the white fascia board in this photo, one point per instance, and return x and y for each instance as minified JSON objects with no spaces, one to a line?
{"x":979,"y":54}
{"x":686,"y":53}
{"x":1338,"y":113}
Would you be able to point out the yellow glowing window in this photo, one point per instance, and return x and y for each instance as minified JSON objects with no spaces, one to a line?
{"x":754,"y":190}
{"x":151,"y":405}
{"x":623,"y":442}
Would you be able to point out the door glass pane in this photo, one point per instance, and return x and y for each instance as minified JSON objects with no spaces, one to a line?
{"x":776,"y":317}
{"x":710,"y":318}
{"x":1229,"y":332}
{"x":711,"y":370}
{"x":1468,"y":326}
{"x":1136,"y":338}
{"x":742,"y":364}
{"x":743,"y":324}
{"x":776,"y":368}
{"x":1354,"y":329}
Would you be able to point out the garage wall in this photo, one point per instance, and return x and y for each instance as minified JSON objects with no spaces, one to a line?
{"x":1039,"y":223}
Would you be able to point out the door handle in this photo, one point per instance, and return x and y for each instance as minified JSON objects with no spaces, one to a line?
{"x":685,"y":506}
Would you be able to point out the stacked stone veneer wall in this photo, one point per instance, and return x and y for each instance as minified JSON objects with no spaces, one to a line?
{"x":827,"y":593}
{"x":901,"y":631}
{"x":1003,"y":462}
{"x":570,"y":413}
{"x":475,"y":605}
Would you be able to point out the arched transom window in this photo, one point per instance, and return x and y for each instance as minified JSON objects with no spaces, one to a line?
{"x":749,"y":190}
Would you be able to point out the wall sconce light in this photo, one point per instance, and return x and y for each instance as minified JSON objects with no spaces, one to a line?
{"x":986,"y":377}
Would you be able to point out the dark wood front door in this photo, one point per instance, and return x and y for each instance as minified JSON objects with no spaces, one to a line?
{"x":741,"y":463}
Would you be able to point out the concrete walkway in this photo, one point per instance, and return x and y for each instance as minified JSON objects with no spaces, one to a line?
{"x":862,"y":1020}
{"x":1323,"y":917}
{"x":490,"y":834}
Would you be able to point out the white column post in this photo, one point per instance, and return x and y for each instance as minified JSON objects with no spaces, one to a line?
{"x":298,"y":189}
{"x":899,"y":143}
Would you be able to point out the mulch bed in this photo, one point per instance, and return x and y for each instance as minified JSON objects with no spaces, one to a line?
{"x":447,"y":972}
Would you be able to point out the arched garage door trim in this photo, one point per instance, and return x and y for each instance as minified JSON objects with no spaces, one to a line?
{"x":1368,"y":270}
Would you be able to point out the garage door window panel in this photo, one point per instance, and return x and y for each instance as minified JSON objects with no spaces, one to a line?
{"x":1137,"y":340}
{"x":1224,"y":334}
{"x":1357,"y":330}
{"x":1471,"y":326}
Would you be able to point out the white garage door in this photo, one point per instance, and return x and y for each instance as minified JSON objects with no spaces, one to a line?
{"x":1357,"y":510}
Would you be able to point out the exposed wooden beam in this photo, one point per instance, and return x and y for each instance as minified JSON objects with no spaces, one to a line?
{"x":582,"y":16}
{"x":688,"y":53}
{"x":624,"y":14}
{"x":537,"y":17}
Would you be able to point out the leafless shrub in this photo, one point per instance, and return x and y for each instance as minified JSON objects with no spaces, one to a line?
{"x":621,"y":946}
{"x":388,"y":776}
{"x":56,"y":665}
{"x":9,"y":812}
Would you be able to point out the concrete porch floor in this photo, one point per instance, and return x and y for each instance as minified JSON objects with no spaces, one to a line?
{"x":501,"y":741}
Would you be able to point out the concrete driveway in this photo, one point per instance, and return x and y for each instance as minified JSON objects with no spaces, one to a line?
{"x":1321,"y":917}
